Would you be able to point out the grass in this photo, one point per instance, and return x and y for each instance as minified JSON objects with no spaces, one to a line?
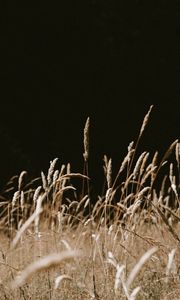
{"x":58,"y":244}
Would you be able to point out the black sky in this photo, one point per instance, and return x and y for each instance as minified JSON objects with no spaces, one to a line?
{"x":65,"y":61}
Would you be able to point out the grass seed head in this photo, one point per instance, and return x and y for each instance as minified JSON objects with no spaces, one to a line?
{"x":86,"y":140}
{"x":145,"y":121}
{"x":43,"y":264}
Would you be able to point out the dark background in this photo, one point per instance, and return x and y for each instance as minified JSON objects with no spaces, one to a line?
{"x":65,"y":61}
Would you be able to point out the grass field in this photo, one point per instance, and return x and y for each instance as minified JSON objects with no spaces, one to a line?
{"x":56,"y":243}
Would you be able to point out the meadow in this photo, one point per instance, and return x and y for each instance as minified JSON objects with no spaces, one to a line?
{"x":58,"y":244}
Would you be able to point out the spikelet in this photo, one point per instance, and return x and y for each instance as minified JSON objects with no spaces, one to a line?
{"x":105,"y":164}
{"x":36,"y":194}
{"x":24,"y":227}
{"x":119,"y":270}
{"x":126,"y":160}
{"x":130,"y":147}
{"x":86,"y":140}
{"x":145,"y":121}
{"x":149,"y":172}
{"x":44,"y":182}
{"x":173,"y":180}
{"x":171,"y":266}
{"x":55,"y":176}
{"x":168,"y":152}
{"x":43,"y":264}
{"x":38,"y":210}
{"x":22,"y":201}
{"x":154,"y":160}
{"x":15,"y":198}
{"x":51,"y":170}
{"x":144,"y":163}
{"x":138,"y":165}
{"x":65,"y":243}
{"x":154,"y":163}
{"x":178,"y":153}
{"x":109,"y":173}
{"x":20,"y":181}
{"x":62,"y":170}
{"x":139,"y":265}
{"x":68,"y":168}
{"x":59,"y":279}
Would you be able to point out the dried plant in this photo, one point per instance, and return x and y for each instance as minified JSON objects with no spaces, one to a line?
{"x":43,"y":264}
{"x":86,"y":140}
{"x":139,"y":208}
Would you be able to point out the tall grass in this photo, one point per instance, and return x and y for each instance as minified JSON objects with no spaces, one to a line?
{"x":56,"y":243}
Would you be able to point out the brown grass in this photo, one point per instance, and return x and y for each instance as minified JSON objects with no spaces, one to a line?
{"x":129,"y":239}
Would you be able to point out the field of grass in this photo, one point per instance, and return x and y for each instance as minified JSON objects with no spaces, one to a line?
{"x":56,"y":243}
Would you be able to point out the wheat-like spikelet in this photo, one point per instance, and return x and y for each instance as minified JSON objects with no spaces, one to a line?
{"x":59,"y":279}
{"x":139,"y":265}
{"x":178,"y":153}
{"x":22,"y":201}
{"x":173,"y":180}
{"x":108,"y":170}
{"x":39,"y":202}
{"x":65,"y":243}
{"x":138,"y":165}
{"x":109,"y":173}
{"x":36,"y":194}
{"x":144,"y":163}
{"x":168,"y":152}
{"x":21,"y":178}
{"x":155,"y":157}
{"x":44,"y":182}
{"x":118,"y":278}
{"x":15,"y":198}
{"x":171,"y":264}
{"x":55,"y":176}
{"x":148,"y":173}
{"x":125,"y":162}
{"x":25,"y":226}
{"x":43,"y":264}
{"x":63,"y":167}
{"x":154,"y":163}
{"x":145,"y":121}
{"x":68,"y":168}
{"x":86,"y":140}
{"x":105,"y":159}
{"x":163,"y":185}
{"x":51,"y":170}
{"x":130,"y":146}
{"x":127,"y":182}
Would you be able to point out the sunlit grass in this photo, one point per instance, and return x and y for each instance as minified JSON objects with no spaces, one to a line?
{"x":56,"y":243}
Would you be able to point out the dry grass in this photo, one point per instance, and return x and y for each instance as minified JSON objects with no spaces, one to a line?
{"x":57,"y":244}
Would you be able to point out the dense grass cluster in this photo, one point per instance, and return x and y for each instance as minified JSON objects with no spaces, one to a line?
{"x":58,"y":244}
